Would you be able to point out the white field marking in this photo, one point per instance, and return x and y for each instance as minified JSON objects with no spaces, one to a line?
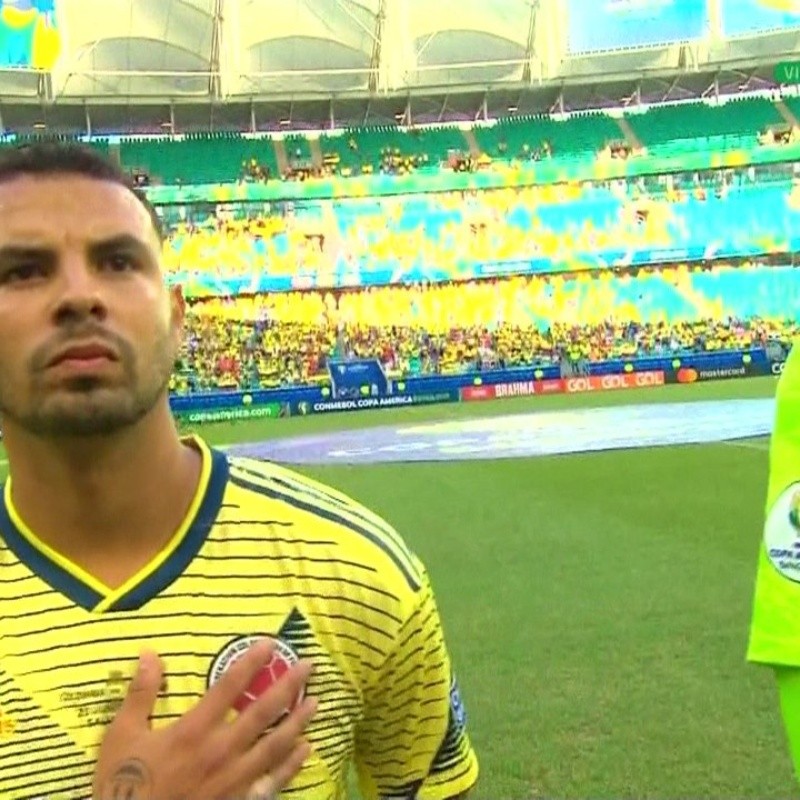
{"x":747,"y":445}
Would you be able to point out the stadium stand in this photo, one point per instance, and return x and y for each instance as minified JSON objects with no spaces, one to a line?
{"x":577,"y":137}
{"x":793,"y":104}
{"x":228,"y":157}
{"x":451,"y":236}
{"x":260,"y":340}
{"x":286,"y":338}
{"x":298,"y":148}
{"x":735,"y":123}
{"x":198,"y":158}
{"x":392,"y":150}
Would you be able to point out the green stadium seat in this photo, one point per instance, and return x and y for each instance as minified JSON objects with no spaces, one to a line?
{"x":298,"y":148}
{"x":365,"y":146}
{"x":198,"y":158}
{"x":580,"y":136}
{"x":793,"y":104}
{"x":739,"y":121}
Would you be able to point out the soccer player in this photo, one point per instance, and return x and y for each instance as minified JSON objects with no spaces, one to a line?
{"x":775,"y":626}
{"x":117,"y":537}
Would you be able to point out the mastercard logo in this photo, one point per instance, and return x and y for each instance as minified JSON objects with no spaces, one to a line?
{"x":687,"y":375}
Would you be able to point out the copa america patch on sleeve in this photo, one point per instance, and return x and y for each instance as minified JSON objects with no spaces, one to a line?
{"x":782,"y":533}
{"x":457,"y":706}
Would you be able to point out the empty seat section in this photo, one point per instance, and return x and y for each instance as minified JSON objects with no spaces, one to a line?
{"x":579,"y":136}
{"x":738,"y":118}
{"x":197,"y":159}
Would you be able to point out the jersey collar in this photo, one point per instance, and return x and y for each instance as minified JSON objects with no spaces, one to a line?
{"x":163,"y":569}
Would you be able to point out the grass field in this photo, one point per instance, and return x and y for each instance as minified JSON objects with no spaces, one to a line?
{"x":596,"y":605}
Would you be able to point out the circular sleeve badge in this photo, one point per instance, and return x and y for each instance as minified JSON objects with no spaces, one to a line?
{"x":782,"y":533}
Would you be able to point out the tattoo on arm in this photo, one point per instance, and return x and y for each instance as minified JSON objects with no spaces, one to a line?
{"x":131,"y":780}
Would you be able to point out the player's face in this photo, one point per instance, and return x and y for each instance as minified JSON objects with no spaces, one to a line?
{"x":88,"y":330}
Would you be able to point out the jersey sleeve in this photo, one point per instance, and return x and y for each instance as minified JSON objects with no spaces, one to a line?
{"x":412,"y":741}
{"x":775,"y":624}
{"x":789,"y":693}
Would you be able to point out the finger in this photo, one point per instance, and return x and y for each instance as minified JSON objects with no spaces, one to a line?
{"x":282,"y":775}
{"x":219,"y":699}
{"x":270,"y":706}
{"x":229,"y":752}
{"x":267,"y":787}
{"x":140,"y":699}
{"x":269,"y":767}
{"x":261,"y":790}
{"x":267,"y":754}
{"x":281,"y":769}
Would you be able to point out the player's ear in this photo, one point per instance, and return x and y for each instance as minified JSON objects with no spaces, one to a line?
{"x":177,"y":307}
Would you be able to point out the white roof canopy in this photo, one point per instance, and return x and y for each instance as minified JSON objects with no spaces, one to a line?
{"x":318,"y":53}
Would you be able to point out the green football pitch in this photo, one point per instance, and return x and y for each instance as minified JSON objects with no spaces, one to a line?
{"x":596,"y":605}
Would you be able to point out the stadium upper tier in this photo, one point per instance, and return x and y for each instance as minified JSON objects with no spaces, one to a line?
{"x":269,"y":340}
{"x":390,"y":148}
{"x":228,"y":157}
{"x":454,"y":236}
{"x":198,"y":158}
{"x":583,"y":136}
{"x":660,"y":127}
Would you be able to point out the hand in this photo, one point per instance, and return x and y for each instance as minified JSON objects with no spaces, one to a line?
{"x":203,"y":755}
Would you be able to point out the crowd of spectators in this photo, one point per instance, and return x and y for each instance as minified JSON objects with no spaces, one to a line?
{"x":286,"y":339}
{"x":444,"y":236}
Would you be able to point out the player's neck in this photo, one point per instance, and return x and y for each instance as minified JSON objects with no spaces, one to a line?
{"x":115,"y":494}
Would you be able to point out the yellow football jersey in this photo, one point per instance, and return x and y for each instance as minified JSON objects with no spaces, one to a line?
{"x":263,"y":551}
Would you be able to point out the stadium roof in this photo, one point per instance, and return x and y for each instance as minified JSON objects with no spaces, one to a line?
{"x":257,"y":63}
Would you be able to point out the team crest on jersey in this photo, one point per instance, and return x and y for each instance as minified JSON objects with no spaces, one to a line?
{"x":283,"y":658}
{"x":782,"y":533}
{"x":457,"y":706}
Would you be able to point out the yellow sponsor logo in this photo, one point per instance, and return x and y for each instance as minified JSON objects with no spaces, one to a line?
{"x":7,"y":726}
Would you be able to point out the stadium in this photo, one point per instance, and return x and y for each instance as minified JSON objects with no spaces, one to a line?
{"x":521,"y":275}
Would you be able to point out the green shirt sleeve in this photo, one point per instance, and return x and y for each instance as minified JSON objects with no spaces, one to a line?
{"x":789,"y":691}
{"x":775,"y":624}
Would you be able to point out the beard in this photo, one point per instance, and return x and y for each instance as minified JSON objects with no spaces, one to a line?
{"x":88,"y":405}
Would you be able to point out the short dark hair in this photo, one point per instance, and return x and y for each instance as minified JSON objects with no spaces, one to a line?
{"x":70,"y":158}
